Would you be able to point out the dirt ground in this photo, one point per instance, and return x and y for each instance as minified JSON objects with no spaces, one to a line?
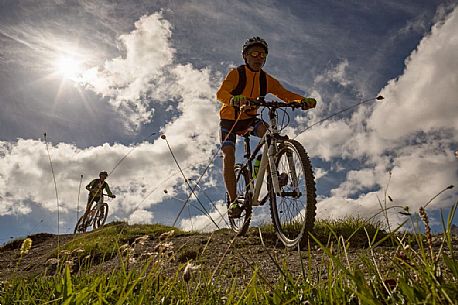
{"x":219,"y":253}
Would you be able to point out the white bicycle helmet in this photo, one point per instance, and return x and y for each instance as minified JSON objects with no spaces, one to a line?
{"x":255,"y":41}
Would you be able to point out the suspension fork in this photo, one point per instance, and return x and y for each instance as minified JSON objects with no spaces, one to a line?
{"x":292,"y":170}
{"x":272,"y":150}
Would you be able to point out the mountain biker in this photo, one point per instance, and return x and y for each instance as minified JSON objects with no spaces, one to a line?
{"x":95,"y":188}
{"x":236,"y":117}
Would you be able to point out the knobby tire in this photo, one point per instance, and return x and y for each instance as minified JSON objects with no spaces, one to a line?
{"x":240,"y":225}
{"x":293,"y":217}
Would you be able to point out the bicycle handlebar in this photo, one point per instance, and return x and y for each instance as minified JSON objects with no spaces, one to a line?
{"x":274,"y":104}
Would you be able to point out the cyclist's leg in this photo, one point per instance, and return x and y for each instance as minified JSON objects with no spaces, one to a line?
{"x":228,"y":170}
{"x":228,"y":149}
{"x":90,"y":200}
{"x":228,"y":140}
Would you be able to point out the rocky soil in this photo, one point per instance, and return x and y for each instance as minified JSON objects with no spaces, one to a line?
{"x":219,"y":253}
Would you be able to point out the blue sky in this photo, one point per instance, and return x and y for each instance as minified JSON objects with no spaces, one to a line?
{"x":99,"y":78}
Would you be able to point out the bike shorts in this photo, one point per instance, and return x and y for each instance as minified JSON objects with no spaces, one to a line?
{"x":227,"y":126}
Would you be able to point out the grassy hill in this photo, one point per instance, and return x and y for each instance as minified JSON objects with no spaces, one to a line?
{"x":350,"y":261}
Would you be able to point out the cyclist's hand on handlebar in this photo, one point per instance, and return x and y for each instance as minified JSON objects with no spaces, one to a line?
{"x":308,"y":102}
{"x":238,"y":100}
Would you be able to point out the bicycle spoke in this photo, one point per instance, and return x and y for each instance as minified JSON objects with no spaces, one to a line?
{"x":241,"y":224}
{"x":293,"y":210}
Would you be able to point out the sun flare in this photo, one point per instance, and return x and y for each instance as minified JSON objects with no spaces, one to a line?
{"x":68,"y":67}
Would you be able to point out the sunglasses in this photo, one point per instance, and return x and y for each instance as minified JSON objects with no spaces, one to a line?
{"x":257,"y":54}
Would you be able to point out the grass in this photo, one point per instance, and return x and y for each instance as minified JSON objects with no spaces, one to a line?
{"x":354,"y":230}
{"x":105,"y":242}
{"x":418,"y":274}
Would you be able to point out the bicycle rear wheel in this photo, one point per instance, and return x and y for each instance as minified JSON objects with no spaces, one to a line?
{"x":241,"y":224}
{"x":293,"y":209}
{"x":100,"y":216}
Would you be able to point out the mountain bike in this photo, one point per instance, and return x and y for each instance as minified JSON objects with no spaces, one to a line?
{"x":96,"y":217}
{"x":290,"y":181}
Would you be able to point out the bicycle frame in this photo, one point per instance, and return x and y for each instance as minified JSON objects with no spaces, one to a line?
{"x":99,"y":203}
{"x":290,"y":180}
{"x":89,"y":218}
{"x":96,"y":207}
{"x":269,"y":142}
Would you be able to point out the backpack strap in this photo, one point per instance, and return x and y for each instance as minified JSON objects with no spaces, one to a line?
{"x":242,"y":81}
{"x":239,"y":88}
{"x":262,"y":83}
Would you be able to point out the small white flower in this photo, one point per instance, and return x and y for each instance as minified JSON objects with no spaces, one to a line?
{"x":141,"y":240}
{"x":124,"y":248}
{"x":167,"y":235}
{"x":65,"y":253}
{"x":163,"y":247}
{"x":78,"y":250}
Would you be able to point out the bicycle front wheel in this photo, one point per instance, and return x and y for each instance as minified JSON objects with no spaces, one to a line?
{"x":293,"y":208}
{"x":100,"y":216}
{"x":241,"y":224}
{"x":80,"y":226}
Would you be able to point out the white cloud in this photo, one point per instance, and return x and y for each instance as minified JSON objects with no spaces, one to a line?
{"x":25,"y":174}
{"x":141,"y":216}
{"x":424,"y":98}
{"x":319,"y":172}
{"x":358,"y":181}
{"x":325,"y":141}
{"x":149,"y":75}
{"x":411,"y":133}
{"x":206,"y":223}
{"x":338,"y":75}
{"x":146,"y":73}
{"x":134,"y":80}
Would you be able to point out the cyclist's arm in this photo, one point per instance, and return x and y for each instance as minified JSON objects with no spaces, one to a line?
{"x":224,"y":93}
{"x":278,"y":90}
{"x":90,"y":186}
{"x":107,"y":189}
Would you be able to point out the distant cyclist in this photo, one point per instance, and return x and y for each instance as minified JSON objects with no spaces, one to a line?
{"x":246,"y":82}
{"x":95,"y":188}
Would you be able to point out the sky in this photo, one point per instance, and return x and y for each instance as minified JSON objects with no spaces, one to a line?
{"x":90,"y":86}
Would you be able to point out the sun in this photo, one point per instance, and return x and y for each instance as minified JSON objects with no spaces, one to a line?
{"x":68,"y":67}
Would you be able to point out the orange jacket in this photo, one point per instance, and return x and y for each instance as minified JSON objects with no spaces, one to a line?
{"x":251,"y":91}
